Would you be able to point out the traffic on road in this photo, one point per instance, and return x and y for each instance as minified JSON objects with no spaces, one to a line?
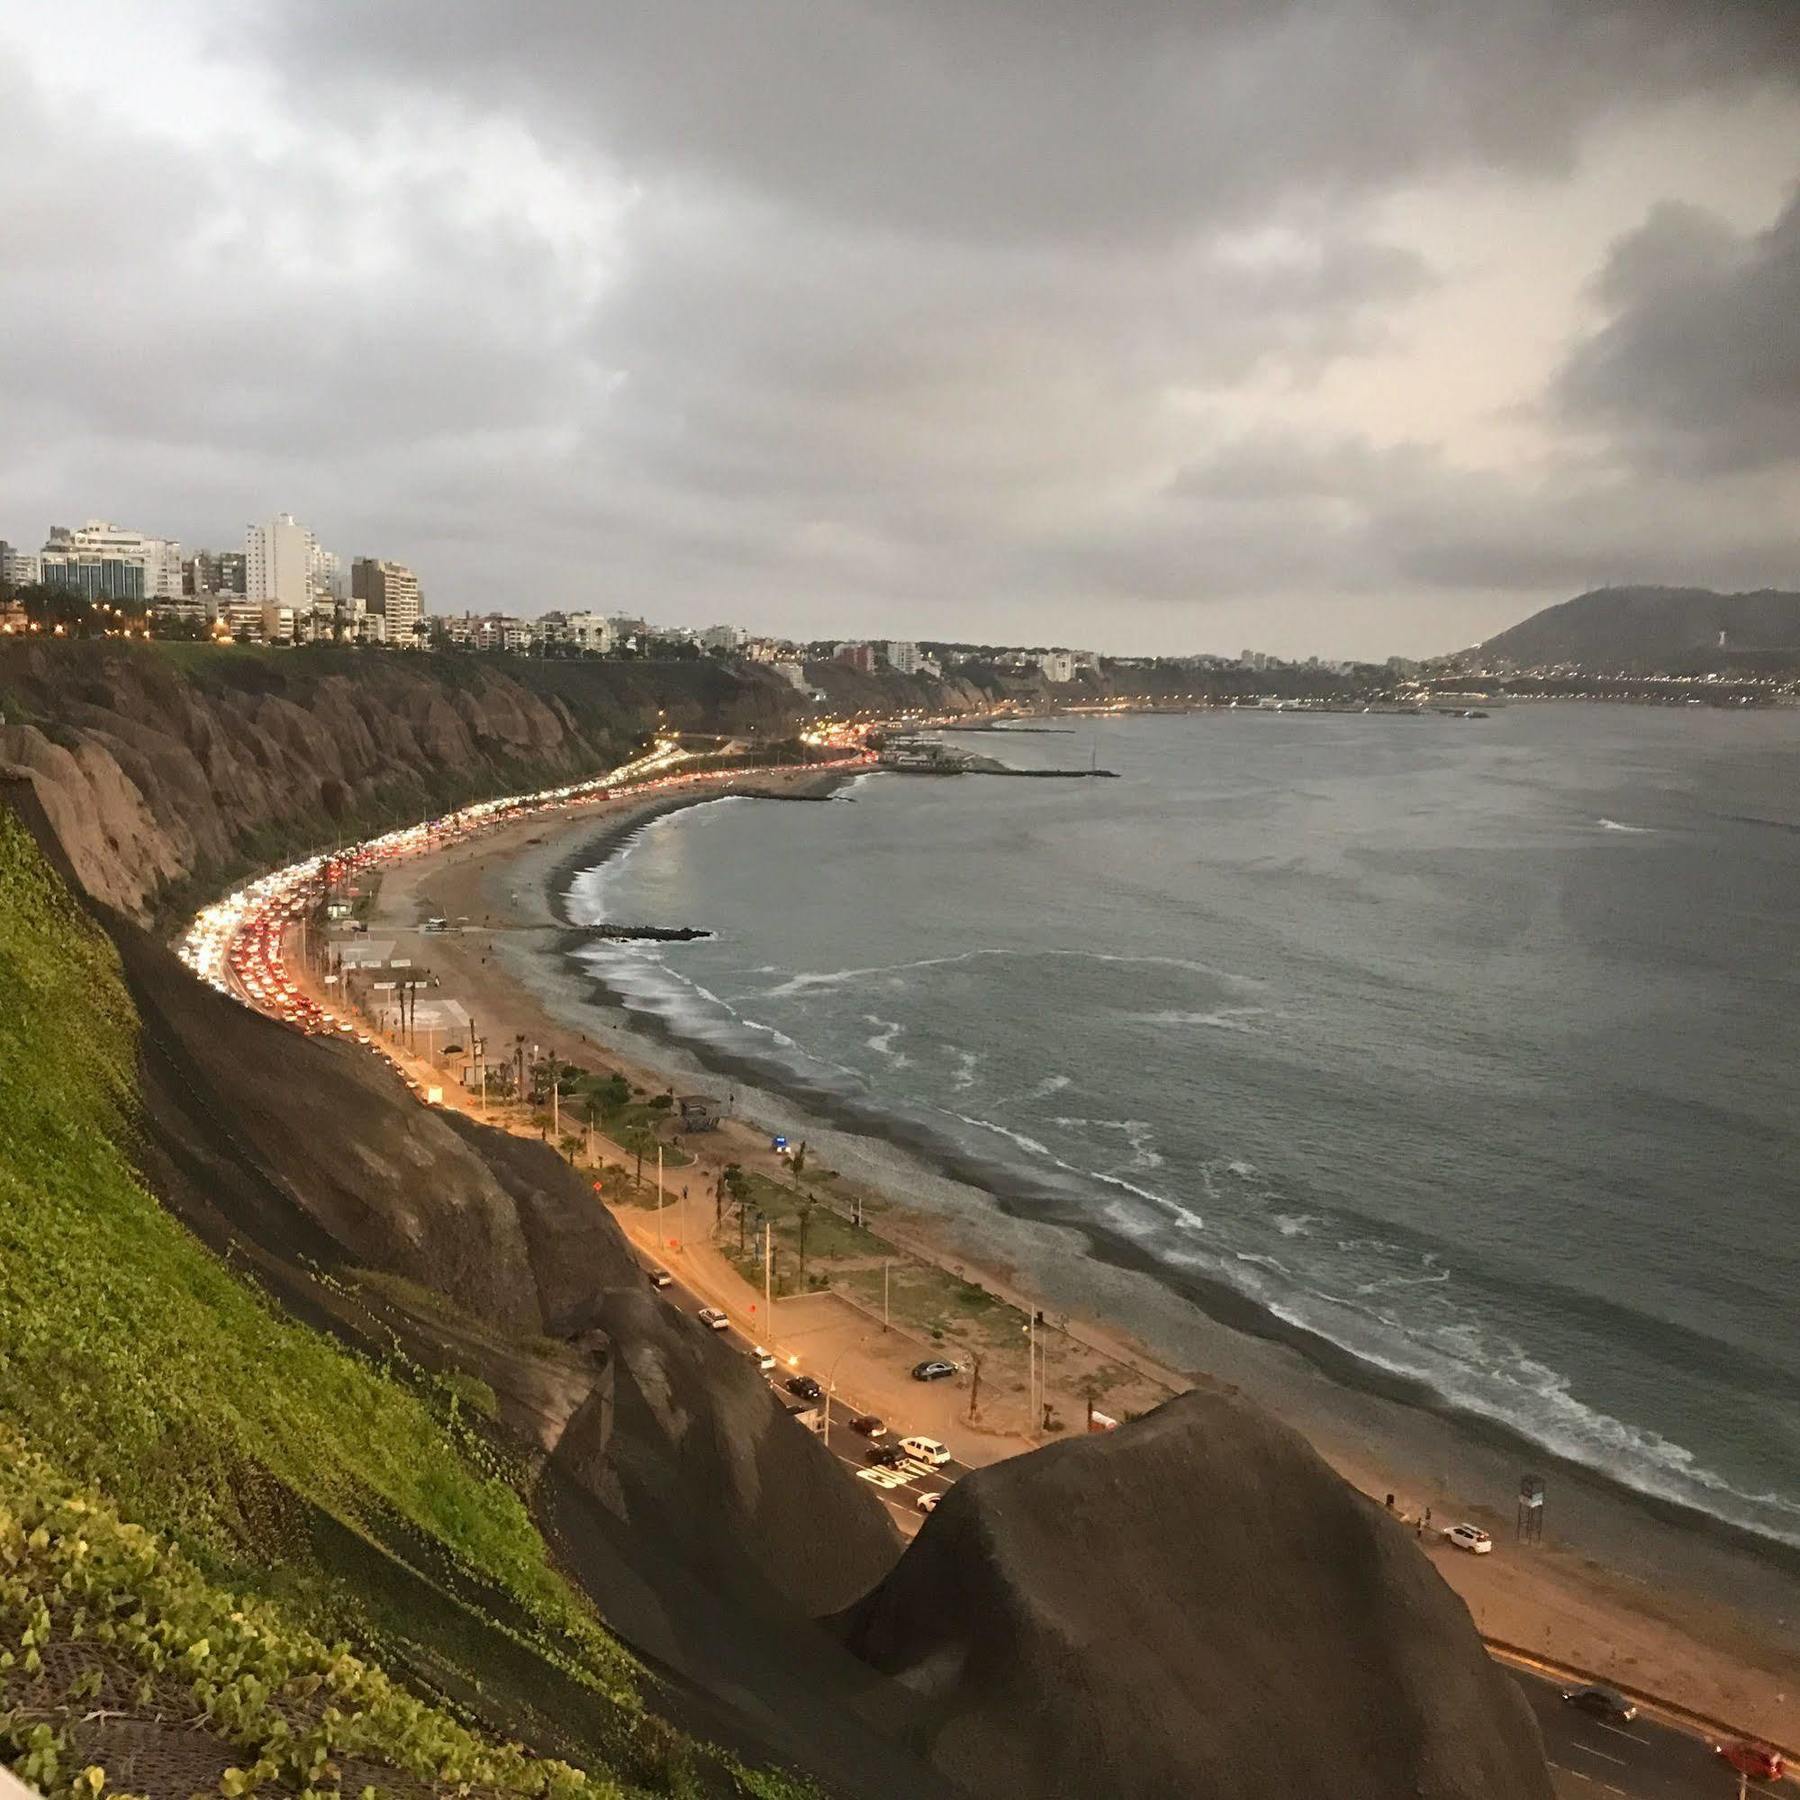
{"x":908,"y":1473}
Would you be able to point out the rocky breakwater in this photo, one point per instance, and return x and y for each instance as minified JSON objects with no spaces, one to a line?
{"x":1194,"y":1604}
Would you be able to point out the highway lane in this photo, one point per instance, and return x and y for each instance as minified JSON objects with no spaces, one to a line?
{"x":1645,"y":1760}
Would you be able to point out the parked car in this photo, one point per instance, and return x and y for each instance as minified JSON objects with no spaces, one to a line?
{"x":886,"y":1456}
{"x":1755,"y":1760}
{"x":710,"y":1315}
{"x":761,"y":1358}
{"x":868,"y":1425}
{"x":936,"y":1369}
{"x":805,"y":1387}
{"x":927,"y":1503}
{"x":1471,"y":1538}
{"x":660,"y":1278}
{"x":1601,"y":1703}
{"x":925,"y":1450}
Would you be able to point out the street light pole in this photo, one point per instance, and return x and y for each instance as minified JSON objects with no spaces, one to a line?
{"x":830,"y":1391}
{"x":659,"y":1200}
{"x":1031,"y":1369}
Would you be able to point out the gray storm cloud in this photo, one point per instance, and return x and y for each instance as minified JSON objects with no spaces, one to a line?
{"x":1142,"y":325}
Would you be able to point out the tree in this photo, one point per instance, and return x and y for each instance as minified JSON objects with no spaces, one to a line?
{"x":1091,"y":1390}
{"x":974,"y":1382}
{"x":799,"y":1158}
{"x":806,"y":1207}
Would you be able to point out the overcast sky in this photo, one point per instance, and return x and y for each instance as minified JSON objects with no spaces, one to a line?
{"x":1354,"y":327}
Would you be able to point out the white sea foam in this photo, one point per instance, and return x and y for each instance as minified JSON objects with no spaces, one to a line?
{"x":963,"y":1076}
{"x":1292,"y":1225}
{"x":1630,"y":830}
{"x":1138,"y":1135}
{"x":881,"y":1041}
{"x":1495,"y":1379}
{"x":1219,"y":1018}
{"x":812,"y":980}
{"x":1015,"y":1137}
{"x":1189,"y":1221}
{"x":1499,"y":1381}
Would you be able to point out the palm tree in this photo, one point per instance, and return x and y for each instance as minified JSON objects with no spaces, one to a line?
{"x":806,"y":1207}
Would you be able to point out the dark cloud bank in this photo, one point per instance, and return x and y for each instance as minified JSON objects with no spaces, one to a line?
{"x":925,"y":319}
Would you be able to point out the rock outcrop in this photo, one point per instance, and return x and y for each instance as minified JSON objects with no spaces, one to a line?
{"x":1194,"y":1604}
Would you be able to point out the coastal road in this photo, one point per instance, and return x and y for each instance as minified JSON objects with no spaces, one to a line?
{"x":899,"y":1490}
{"x":1589,"y":1759}
{"x":1645,"y":1760}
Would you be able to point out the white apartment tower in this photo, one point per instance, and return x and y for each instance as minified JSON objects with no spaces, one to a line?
{"x":280,"y":561}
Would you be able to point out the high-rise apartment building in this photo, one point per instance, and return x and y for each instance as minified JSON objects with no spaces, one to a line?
{"x":392,"y":590}
{"x":102,"y":561}
{"x":279,"y":563}
{"x":214,"y":572}
{"x":903,"y":658}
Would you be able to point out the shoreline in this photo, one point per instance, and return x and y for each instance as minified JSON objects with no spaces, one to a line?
{"x":1000,"y":1184}
{"x":1731,"y":1591}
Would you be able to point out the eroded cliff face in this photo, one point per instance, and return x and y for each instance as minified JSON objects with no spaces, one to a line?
{"x":165,"y":771}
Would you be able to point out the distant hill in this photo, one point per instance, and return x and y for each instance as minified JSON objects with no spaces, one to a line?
{"x":1656,"y":629}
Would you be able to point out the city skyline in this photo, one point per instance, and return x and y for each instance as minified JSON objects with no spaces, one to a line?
{"x":1322,"y":329}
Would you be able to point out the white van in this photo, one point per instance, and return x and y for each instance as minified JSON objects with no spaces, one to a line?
{"x":925,"y":1450}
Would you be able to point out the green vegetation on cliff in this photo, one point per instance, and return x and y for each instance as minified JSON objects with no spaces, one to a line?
{"x":148,"y":1395}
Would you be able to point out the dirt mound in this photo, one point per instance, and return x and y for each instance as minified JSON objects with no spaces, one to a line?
{"x":1194,"y":1604}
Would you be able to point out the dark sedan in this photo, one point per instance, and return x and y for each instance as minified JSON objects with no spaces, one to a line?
{"x":805,"y":1387}
{"x":1601,"y":1703}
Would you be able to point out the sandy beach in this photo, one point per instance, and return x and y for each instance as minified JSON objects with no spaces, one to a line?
{"x":1636,"y":1592}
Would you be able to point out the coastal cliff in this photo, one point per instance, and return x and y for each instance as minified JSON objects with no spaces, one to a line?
{"x":166,"y":770}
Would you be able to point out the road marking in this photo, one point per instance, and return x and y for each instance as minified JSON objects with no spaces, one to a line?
{"x":1583,"y":1775}
{"x":1619,"y":1731}
{"x":1591,"y":1751}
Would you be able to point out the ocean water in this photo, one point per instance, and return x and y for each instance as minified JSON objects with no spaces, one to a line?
{"x":1468,"y":1046}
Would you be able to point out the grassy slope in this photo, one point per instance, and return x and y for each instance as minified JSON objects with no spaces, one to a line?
{"x":136,"y":1366}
